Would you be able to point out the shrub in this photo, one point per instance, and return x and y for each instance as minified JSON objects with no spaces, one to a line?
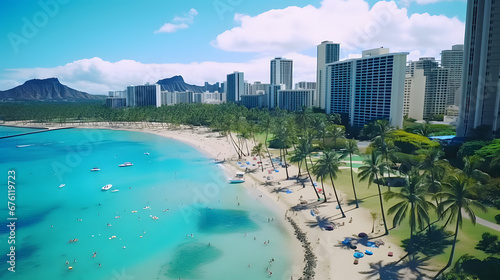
{"x":470,"y":148}
{"x":409,"y":143}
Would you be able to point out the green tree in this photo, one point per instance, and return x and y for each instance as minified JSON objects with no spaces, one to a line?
{"x":455,"y":199}
{"x":489,"y":244}
{"x":258,"y":150}
{"x":328,"y":165}
{"x":351,"y":148}
{"x":301,"y":153}
{"x":413,"y":198}
{"x":373,"y":166}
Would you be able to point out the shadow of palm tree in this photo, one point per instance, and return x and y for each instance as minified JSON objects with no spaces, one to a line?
{"x":353,"y":202}
{"x":382,"y":271}
{"x":417,"y":264}
{"x":279,"y":190}
{"x":268,"y":183}
{"x":311,"y":205}
{"x":320,"y":222}
{"x":430,"y":243}
{"x":391,"y":271}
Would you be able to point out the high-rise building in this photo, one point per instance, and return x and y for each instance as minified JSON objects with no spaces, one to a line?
{"x":413,"y":105}
{"x":328,"y":52}
{"x":305,"y":85}
{"x":436,"y":85}
{"x":480,"y":95}
{"x":256,"y":86}
{"x":235,"y":86}
{"x":453,"y":60}
{"x":295,"y":99}
{"x":273,"y":95}
{"x":368,"y":88}
{"x":282,"y":72}
{"x":258,"y":100}
{"x":144,"y":95}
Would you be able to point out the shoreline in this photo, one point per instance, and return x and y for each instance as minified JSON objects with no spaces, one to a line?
{"x":320,"y":246}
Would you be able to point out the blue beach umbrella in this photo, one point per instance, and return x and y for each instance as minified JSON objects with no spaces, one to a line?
{"x":358,"y":255}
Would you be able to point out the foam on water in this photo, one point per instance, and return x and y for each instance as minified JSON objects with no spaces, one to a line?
{"x":189,"y":194}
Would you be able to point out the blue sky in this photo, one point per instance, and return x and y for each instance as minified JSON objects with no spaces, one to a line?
{"x":97,"y":46}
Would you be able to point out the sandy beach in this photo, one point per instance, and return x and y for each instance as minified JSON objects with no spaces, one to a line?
{"x":333,"y":259}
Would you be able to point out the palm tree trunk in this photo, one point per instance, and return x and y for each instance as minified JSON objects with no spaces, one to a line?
{"x":335,"y":191}
{"x":381,"y":206}
{"x":261,"y":163}
{"x":286,"y":166}
{"x":235,"y":145}
{"x":352,"y":180}
{"x":267,"y":149}
{"x":312,"y":182}
{"x":450,"y":261}
{"x":323,"y":188}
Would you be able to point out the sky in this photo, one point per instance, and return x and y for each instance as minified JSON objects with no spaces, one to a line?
{"x":101,"y":45}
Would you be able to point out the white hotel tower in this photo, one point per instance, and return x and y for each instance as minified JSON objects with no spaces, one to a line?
{"x":368,"y":88}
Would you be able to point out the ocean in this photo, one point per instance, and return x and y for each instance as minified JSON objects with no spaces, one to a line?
{"x":172,"y":215}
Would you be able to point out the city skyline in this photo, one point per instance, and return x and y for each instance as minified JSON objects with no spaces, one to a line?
{"x":97,"y":47}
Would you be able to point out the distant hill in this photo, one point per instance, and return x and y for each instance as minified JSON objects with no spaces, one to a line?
{"x":46,"y":90}
{"x":176,"y":83}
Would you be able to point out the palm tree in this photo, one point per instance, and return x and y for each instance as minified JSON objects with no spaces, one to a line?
{"x":373,"y":166}
{"x":300,"y":154}
{"x":352,"y":148}
{"x":335,"y":132}
{"x":471,"y":168}
{"x":412,"y":196}
{"x":455,"y":195}
{"x":258,"y":150}
{"x":328,"y":165}
{"x":382,"y":129}
{"x":374,"y":218}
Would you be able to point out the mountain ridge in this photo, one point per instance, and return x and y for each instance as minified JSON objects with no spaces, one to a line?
{"x":49,"y":89}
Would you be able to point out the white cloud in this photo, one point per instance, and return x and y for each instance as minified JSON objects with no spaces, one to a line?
{"x":425,"y":2}
{"x":98,"y":76}
{"x":178,"y":23}
{"x":351,"y":23}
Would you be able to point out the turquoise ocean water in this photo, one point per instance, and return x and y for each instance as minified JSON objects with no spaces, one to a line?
{"x":180,"y":186}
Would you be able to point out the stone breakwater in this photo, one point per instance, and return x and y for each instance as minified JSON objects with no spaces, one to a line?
{"x":309,"y":257}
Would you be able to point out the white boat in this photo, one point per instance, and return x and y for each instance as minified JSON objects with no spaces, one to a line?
{"x":107,"y":187}
{"x":115,"y":190}
{"x":22,"y":146}
{"x":146,"y":153}
{"x":62,"y":185}
{"x":239,"y":178}
{"x":125,"y":164}
{"x":95,"y":169}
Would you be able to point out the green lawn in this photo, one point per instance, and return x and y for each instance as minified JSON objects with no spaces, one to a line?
{"x":468,"y":236}
{"x":489,"y":215}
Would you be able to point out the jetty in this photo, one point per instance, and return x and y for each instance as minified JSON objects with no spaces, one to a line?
{"x":37,"y":131}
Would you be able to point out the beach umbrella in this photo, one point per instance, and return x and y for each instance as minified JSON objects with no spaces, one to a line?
{"x":358,"y":255}
{"x":368,"y":252}
{"x":288,"y":191}
{"x":362,"y":234}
